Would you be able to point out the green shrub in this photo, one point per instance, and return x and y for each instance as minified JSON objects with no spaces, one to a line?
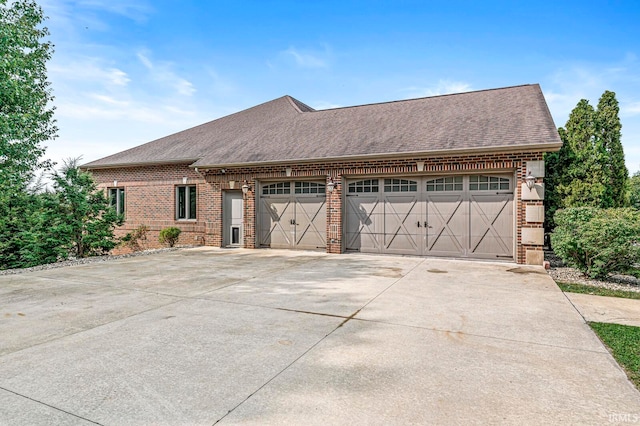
{"x":598,"y":241}
{"x":137,"y":239}
{"x":169,"y":236}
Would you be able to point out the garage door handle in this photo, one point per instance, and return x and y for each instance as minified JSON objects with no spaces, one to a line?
{"x":292,"y":221}
{"x":418,"y":224}
{"x":426,"y":225}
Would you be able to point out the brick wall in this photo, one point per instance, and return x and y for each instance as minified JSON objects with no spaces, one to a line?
{"x":150,"y":192}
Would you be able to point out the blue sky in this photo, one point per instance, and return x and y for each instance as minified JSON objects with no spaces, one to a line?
{"x":126,"y":72}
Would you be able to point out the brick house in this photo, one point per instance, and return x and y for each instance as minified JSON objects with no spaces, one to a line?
{"x":456,"y":175}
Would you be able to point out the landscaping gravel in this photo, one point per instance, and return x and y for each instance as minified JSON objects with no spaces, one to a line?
{"x":562,"y":273}
{"x":85,"y":260}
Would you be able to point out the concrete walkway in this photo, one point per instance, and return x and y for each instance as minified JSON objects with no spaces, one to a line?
{"x":206,"y":336}
{"x":614,"y":310}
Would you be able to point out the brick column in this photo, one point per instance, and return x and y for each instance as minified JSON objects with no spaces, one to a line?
{"x":249,"y":213}
{"x":531,"y":212}
{"x":334,"y":216}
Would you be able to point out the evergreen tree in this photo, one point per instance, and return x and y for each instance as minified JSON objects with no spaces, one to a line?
{"x":556,"y":163}
{"x":582,"y":182}
{"x":634,"y":190}
{"x":607,"y":131}
{"x":589,"y":169}
{"x":86,"y":220}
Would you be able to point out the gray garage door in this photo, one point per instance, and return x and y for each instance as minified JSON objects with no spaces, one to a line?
{"x":457,"y":216}
{"x":292,"y":215}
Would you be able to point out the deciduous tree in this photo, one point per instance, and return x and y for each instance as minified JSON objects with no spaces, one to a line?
{"x":26,"y":115}
{"x":26,"y":121}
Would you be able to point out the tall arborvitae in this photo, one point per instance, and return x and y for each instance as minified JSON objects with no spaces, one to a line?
{"x":607,"y":133}
{"x":582,"y":182}
{"x":589,"y":170}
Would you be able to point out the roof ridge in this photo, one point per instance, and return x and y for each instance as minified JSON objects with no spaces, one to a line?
{"x":298,"y":105}
{"x":429,"y":97}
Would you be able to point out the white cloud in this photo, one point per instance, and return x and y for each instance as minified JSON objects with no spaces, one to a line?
{"x":108,"y":100}
{"x":145,"y":61}
{"x":162,"y":72}
{"x":443,"y":87}
{"x":87,"y":70}
{"x":219,"y":84}
{"x":184,"y":87}
{"x":135,"y":10}
{"x":630,"y":109}
{"x":325,"y":105}
{"x":306,"y":58}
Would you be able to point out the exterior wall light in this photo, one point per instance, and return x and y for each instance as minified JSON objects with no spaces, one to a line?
{"x":530,"y":180}
{"x":245,"y":187}
{"x":331,"y":184}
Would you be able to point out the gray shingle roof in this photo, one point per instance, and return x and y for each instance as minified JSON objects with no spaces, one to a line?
{"x":286,"y":130}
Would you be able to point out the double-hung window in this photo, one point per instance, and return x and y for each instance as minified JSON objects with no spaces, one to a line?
{"x":116,"y":199}
{"x":186,"y":202}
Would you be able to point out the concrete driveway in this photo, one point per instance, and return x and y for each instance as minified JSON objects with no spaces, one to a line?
{"x":206,"y":336}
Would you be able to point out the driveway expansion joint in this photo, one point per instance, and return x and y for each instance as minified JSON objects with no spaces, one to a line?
{"x":50,"y":406}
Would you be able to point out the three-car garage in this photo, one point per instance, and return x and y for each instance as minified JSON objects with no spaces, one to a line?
{"x":455,"y":216}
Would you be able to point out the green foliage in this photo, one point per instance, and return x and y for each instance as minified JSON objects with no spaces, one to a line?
{"x":137,"y":239}
{"x":89,"y":221}
{"x":598,"y":241}
{"x":556,"y":164}
{"x":169,"y":236}
{"x":634,"y":191}
{"x":26,"y":119}
{"x":589,"y":169}
{"x":624,"y":343}
{"x":607,"y":135}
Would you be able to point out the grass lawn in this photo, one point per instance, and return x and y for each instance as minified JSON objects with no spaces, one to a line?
{"x":624,"y":343}
{"x":598,"y":291}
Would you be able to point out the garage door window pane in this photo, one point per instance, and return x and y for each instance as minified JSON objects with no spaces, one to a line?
{"x":277,"y":188}
{"x":367,"y":185}
{"x":488,"y":183}
{"x":450,"y":183}
{"x":309,"y":188}
{"x":400,"y":185}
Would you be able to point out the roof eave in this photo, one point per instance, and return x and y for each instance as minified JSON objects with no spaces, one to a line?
{"x":546,"y":147}
{"x":88,"y":166}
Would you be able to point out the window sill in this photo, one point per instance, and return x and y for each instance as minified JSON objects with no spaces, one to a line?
{"x":186,"y":220}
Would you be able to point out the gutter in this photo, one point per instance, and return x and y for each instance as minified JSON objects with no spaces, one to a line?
{"x":547,"y":147}
{"x":448,"y":152}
